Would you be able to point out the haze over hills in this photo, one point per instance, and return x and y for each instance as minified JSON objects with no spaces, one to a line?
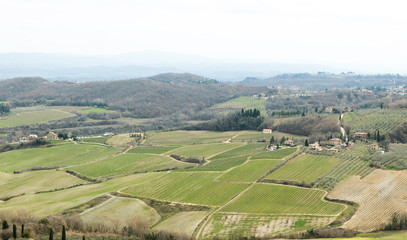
{"x":141,"y":64}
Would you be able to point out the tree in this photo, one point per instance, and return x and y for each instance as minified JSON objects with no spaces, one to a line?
{"x":378,"y":136}
{"x":4,"y":225}
{"x":51,"y":234}
{"x":271,"y":140}
{"x":282,"y":140}
{"x":63,"y":233}
{"x":22,"y":229}
{"x":83,"y":237}
{"x":14,"y":231}
{"x":306,"y":143}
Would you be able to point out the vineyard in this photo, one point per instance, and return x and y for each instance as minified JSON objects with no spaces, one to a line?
{"x":261,"y":226}
{"x":280,"y":199}
{"x":197,"y":188}
{"x":250,"y":148}
{"x":249,"y":172}
{"x":220,"y":164}
{"x":386,"y":120}
{"x":379,"y":195}
{"x":276,"y":154}
{"x":304,"y":168}
{"x":204,"y":150}
{"x":151,"y":149}
{"x":188,"y":137}
{"x":128,"y":163}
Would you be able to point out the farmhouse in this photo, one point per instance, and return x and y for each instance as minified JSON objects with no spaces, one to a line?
{"x":267,"y":130}
{"x":137,"y":134}
{"x":374,"y":146}
{"x":108,"y":134}
{"x":289,"y":142}
{"x":52,"y":136}
{"x":315,"y":146}
{"x":328,"y":110}
{"x":362,"y":135}
{"x":23,"y":140}
{"x":333,"y":150}
{"x":335,"y":141}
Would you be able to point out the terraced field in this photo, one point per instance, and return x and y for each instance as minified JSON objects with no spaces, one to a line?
{"x":280,"y":199}
{"x":196,"y":187}
{"x":304,"y":168}
{"x":249,"y":172}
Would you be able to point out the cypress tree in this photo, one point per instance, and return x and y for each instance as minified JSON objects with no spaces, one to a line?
{"x":63,"y":233}
{"x":306,"y":143}
{"x":378,"y":136}
{"x":83,"y":238}
{"x":22,"y":229}
{"x":14,"y":231}
{"x":51,"y":234}
{"x":4,"y":225}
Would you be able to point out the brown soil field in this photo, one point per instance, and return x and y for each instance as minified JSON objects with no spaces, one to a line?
{"x":380,"y":194}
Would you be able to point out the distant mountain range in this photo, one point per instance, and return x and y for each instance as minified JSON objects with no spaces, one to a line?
{"x":140,"y":64}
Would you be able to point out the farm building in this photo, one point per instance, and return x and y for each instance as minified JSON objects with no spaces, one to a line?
{"x":374,"y":146}
{"x":335,"y":141}
{"x":23,"y":140}
{"x":267,"y":130}
{"x":32,"y":136}
{"x":315,"y":146}
{"x":289,"y":142}
{"x":137,"y":134}
{"x":333,"y":150}
{"x":52,"y":136}
{"x":108,"y":134}
{"x":360,"y":135}
{"x":328,"y":110}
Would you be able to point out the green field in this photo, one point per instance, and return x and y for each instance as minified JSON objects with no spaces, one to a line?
{"x":59,"y":156}
{"x":95,"y":110}
{"x":221,"y":164}
{"x":276,"y":154}
{"x":250,"y":148}
{"x":31,"y":182}
{"x":280,"y":199}
{"x":196,"y":187}
{"x":129,"y":163}
{"x":33,"y":117}
{"x":57,"y":202}
{"x":102,"y":140}
{"x":241,"y":103}
{"x":183,"y":223}
{"x":188,"y":137}
{"x":124,"y":210}
{"x":151,"y":149}
{"x":204,"y":150}
{"x":250,"y":171}
{"x":304,"y":168}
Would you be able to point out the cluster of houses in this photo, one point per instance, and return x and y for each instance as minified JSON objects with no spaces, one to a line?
{"x":32,"y":137}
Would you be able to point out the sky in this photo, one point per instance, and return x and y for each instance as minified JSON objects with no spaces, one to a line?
{"x":366,"y":33}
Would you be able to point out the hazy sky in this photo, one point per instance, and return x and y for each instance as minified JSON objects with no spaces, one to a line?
{"x":343,"y":32}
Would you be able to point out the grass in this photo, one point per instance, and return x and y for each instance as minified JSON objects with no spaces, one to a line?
{"x":102,"y":140}
{"x":95,"y":110}
{"x":304,"y":168}
{"x":279,"y":199}
{"x":250,"y":148}
{"x":128,"y":163}
{"x":121,"y":210}
{"x":31,"y":182}
{"x":241,"y":102}
{"x":57,"y":202}
{"x":204,"y":150}
{"x":151,"y":149}
{"x":59,"y":156}
{"x":186,"y":187}
{"x":276,"y":154}
{"x":183,"y":222}
{"x":187,"y":137}
{"x":33,"y":117}
{"x":250,"y":171}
